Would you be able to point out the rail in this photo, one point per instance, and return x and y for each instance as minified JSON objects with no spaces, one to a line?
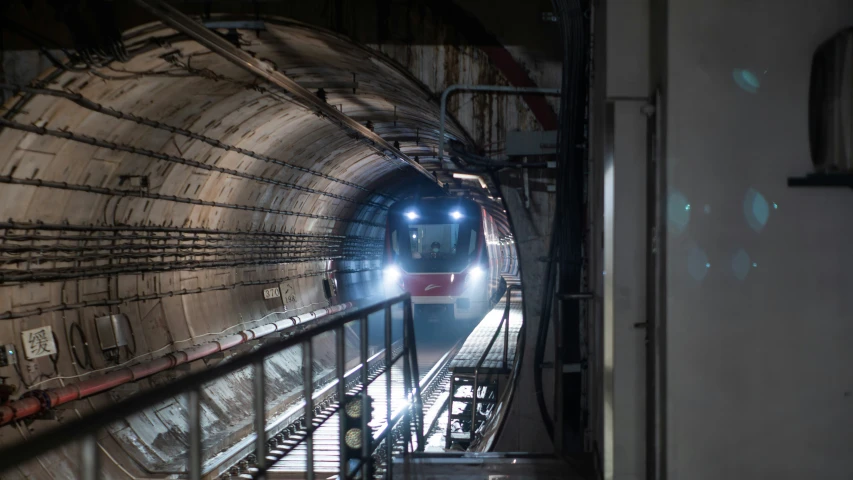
{"x":410,"y":417}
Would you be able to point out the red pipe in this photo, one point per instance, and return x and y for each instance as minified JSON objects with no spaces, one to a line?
{"x":45,"y":399}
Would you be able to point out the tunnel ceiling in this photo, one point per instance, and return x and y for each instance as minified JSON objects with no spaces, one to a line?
{"x":174,"y":187}
{"x":297,"y":171}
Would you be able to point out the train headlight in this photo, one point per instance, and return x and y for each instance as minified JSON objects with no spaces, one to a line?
{"x":411,"y":215}
{"x":456,"y":214}
{"x":392,"y":273}
{"x":476,"y":272}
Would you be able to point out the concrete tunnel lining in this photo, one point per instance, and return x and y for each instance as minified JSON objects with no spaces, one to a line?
{"x":226,"y":106}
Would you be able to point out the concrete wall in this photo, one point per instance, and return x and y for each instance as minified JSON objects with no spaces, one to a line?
{"x":758,"y":274}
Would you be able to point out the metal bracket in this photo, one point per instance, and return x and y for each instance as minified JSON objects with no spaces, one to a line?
{"x":822,"y":180}
{"x":576,"y":296}
{"x":571,"y":368}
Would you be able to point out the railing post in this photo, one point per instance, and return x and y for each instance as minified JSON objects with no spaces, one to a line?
{"x":194,"y":411}
{"x":308,"y":392}
{"x":340,"y":360}
{"x":417,"y":400}
{"x":407,"y":373}
{"x":388,"y":443}
{"x":506,"y":326}
{"x":258,"y":382}
{"x":366,"y":435}
{"x":91,"y":462}
{"x":475,"y":388}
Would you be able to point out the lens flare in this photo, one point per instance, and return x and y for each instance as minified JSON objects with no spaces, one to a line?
{"x":392,"y":273}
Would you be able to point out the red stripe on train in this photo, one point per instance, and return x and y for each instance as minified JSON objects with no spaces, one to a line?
{"x":434,"y":284}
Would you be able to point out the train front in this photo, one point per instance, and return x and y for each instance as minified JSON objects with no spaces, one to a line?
{"x":435,"y":250}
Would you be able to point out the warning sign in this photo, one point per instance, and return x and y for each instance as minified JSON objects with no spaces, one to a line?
{"x":38,"y":342}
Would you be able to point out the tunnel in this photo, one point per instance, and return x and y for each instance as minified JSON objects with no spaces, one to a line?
{"x":351,"y":239}
{"x":168,"y":190}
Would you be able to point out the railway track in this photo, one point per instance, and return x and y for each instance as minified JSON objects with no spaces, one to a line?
{"x":287,"y":451}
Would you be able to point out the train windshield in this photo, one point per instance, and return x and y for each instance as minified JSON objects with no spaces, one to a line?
{"x":426,"y":245}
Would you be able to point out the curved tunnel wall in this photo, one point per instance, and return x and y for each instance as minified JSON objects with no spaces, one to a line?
{"x":203,"y":227}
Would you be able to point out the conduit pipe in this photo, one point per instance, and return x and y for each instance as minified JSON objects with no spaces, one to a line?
{"x":36,"y":401}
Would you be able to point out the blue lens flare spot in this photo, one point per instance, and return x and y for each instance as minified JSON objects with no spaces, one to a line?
{"x":678,"y":213}
{"x":756,"y":210}
{"x":746,"y":80}
{"x":740,"y":264}
{"x":697,"y":263}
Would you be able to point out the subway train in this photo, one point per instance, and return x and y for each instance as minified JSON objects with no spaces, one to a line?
{"x":447,"y":254}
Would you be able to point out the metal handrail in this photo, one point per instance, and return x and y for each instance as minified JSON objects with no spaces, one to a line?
{"x":190,"y":385}
{"x":504,"y":323}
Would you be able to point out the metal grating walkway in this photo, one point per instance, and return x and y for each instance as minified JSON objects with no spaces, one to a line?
{"x":326,"y":440}
{"x":475,"y":345}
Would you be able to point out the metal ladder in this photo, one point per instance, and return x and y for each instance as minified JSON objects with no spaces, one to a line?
{"x":481,"y":393}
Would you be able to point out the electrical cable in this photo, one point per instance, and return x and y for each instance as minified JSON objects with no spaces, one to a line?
{"x":131,"y":352}
{"x":172,"y":344}
{"x":75,"y":327}
{"x":564,"y":234}
{"x":484,"y":163}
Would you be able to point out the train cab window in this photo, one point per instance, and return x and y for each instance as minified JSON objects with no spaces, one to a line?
{"x":434,"y":241}
{"x":434,"y":236}
{"x":472,"y":245}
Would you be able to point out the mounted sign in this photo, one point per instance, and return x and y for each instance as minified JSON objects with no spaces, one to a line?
{"x":272,"y":293}
{"x":520,"y":144}
{"x":38,"y":342}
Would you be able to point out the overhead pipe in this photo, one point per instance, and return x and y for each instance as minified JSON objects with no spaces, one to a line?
{"x":481,"y":88}
{"x":36,"y":401}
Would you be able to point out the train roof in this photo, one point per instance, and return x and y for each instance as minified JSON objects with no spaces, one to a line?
{"x":435,"y":201}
